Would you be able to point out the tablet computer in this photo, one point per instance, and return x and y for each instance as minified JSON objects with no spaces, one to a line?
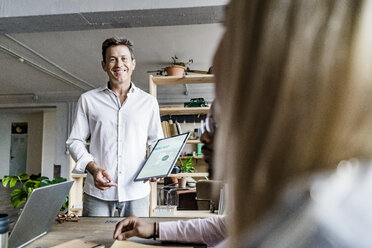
{"x":162,"y":158}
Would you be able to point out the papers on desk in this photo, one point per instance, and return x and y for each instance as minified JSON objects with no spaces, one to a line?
{"x":130,"y":244}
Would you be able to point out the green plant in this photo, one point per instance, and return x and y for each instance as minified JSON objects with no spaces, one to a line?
{"x":176,"y":62}
{"x":21,"y":194}
{"x":187,"y":167}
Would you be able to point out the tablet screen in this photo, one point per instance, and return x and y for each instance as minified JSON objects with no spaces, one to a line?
{"x":163,"y":157}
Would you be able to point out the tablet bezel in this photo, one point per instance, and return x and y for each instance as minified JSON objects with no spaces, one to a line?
{"x":136,"y":179}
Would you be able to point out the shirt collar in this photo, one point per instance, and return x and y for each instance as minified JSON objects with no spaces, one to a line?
{"x":132,"y":88}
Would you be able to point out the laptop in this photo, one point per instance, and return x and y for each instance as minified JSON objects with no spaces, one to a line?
{"x":163,"y":157}
{"x":39,"y":213}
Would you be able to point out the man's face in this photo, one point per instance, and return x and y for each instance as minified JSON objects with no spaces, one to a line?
{"x":119,"y":65}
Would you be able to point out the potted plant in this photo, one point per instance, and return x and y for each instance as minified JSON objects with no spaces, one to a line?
{"x":186,"y":167}
{"x":20,"y":195}
{"x":177,"y":68}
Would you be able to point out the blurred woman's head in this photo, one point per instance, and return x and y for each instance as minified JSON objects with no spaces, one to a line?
{"x":294,"y":88}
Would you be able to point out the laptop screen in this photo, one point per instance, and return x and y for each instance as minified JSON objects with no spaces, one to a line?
{"x":39,"y":213}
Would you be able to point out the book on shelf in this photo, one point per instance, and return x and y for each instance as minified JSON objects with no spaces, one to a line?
{"x":166,"y":129}
{"x":163,"y":123}
{"x":171,"y":128}
{"x":179,"y":129}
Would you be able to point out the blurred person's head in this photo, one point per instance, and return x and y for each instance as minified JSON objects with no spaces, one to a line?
{"x":209,"y":130}
{"x":294,"y":84}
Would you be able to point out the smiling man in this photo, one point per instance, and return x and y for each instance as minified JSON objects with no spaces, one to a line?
{"x":119,"y":119}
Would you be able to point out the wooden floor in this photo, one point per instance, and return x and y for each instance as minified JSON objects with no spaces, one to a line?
{"x":5,"y":206}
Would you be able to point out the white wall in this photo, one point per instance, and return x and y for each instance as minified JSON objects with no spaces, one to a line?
{"x":35,"y":129}
{"x":60,"y":156}
{"x":49,"y":141}
{"x":5,"y":130}
{"x":54,"y":152}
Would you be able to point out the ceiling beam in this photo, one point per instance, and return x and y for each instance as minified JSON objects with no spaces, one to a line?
{"x":112,"y":19}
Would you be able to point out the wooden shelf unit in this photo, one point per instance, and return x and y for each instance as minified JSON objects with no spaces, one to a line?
{"x":154,"y":81}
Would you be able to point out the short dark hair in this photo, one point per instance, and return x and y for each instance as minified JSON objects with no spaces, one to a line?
{"x":115,"y":41}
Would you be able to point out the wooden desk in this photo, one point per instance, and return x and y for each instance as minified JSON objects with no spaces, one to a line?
{"x":95,"y":229}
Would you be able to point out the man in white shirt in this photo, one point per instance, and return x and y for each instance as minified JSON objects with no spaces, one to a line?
{"x":119,"y":119}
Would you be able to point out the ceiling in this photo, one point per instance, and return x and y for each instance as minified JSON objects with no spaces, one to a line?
{"x":52,"y":63}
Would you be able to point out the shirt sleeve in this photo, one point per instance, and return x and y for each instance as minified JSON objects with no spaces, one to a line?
{"x":155,"y":131}
{"x":210,"y":231}
{"x":76,"y":143}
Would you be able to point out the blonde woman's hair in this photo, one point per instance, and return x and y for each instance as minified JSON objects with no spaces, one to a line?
{"x":297,"y":96}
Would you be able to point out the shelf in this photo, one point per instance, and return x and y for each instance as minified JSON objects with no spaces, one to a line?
{"x":196,"y":174}
{"x":187,"y":79}
{"x":196,"y":141}
{"x":181,"y":110}
{"x":187,"y":157}
{"x":169,"y":80}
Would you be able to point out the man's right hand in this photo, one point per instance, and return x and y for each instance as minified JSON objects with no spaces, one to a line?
{"x":102,"y":179}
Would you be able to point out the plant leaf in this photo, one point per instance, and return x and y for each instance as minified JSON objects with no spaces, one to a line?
{"x":58,"y":180}
{"x":42,"y":178}
{"x":44,"y":182}
{"x":37,"y":184}
{"x":29,"y":184}
{"x":18,"y":196}
{"x":24,"y":176}
{"x":15,"y":192}
{"x":17,"y":202}
{"x":64,"y":205}
{"x":29,"y":190}
{"x":5,"y":180}
{"x":13,"y":181}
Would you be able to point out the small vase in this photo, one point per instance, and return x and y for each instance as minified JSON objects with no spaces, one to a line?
{"x":175,"y":70}
{"x":182,"y":182}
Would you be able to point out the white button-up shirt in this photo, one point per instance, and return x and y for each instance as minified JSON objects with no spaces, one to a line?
{"x":118,"y":137}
